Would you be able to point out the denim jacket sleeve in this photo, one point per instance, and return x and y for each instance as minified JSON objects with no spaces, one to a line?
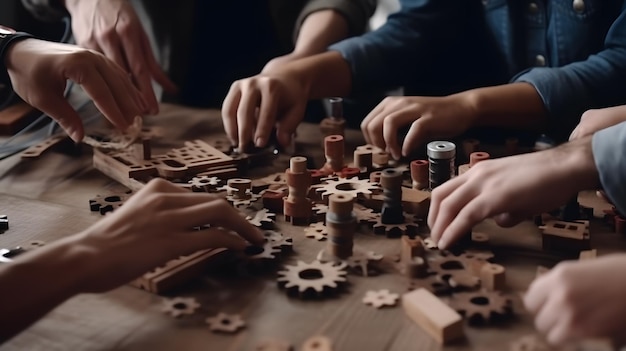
{"x":609,"y":153}
{"x":393,"y":53}
{"x":599,"y":81}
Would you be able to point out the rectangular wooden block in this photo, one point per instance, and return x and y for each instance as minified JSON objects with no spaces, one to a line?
{"x":588,"y":255}
{"x":433,"y":315}
{"x":411,"y":248}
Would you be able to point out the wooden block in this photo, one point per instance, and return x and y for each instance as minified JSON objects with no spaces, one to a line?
{"x":15,"y":117}
{"x":36,"y":150}
{"x":588,"y":255}
{"x":433,"y":315}
{"x":493,"y":277}
{"x":411,"y":248}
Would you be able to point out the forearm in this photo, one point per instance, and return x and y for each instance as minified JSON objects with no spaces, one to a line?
{"x":609,"y":151}
{"x":37,"y":282}
{"x":516,"y":105}
{"x":574,"y":162}
{"x":319,"y":30}
{"x":326,"y":74}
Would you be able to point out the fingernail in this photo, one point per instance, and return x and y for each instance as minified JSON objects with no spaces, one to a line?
{"x":259,"y":142}
{"x":442,"y":244}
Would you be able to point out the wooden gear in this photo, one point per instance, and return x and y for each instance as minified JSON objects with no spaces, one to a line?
{"x":353,"y":187}
{"x":482,"y":307}
{"x":179,"y":306}
{"x":225,"y":323}
{"x":262,"y":218}
{"x":380,"y":298}
{"x":317,"y":231}
{"x":315,"y":279}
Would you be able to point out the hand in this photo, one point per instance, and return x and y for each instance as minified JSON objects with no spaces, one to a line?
{"x":595,"y":120}
{"x":428,"y":118}
{"x":511,"y":189}
{"x":578,"y":300}
{"x":40,"y":69}
{"x":254,"y":105}
{"x":113,"y":28}
{"x":156,"y":225}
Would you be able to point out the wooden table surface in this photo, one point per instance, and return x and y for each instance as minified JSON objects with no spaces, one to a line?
{"x":47,"y":199}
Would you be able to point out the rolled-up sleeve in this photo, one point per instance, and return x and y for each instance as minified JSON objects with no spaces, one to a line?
{"x":596,"y":82}
{"x":391,"y":55}
{"x":356,"y":12}
{"x":45,"y":10}
{"x":609,"y":153}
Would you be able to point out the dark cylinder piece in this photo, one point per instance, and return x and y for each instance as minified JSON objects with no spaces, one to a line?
{"x":441,"y":155}
{"x":391,"y":182}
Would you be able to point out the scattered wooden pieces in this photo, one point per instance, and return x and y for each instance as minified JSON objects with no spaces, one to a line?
{"x":225,"y":323}
{"x":380,"y":298}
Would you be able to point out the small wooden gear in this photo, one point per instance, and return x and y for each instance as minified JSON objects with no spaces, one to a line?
{"x":456,"y":270}
{"x":109,"y":202}
{"x":225,"y":323}
{"x":482,"y":307}
{"x":317,"y":231}
{"x":262,"y":218}
{"x":320,"y":209}
{"x":354,"y":187}
{"x":431,"y":283}
{"x":365,"y":215}
{"x":204,"y":183}
{"x":380,"y":298}
{"x":179,"y":306}
{"x":396,"y":230}
{"x":317,"y":343}
{"x":360,"y":262}
{"x":279,"y":241}
{"x":315,"y":279}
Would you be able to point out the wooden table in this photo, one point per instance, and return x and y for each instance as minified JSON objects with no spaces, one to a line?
{"x":47,"y":198}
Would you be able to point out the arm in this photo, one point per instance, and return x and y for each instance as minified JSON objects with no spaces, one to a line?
{"x":609,"y":151}
{"x":356,"y":14}
{"x":596,"y":82}
{"x":108,"y":250}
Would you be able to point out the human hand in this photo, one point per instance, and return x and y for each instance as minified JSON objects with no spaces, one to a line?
{"x":156,"y":225}
{"x":254,"y":105}
{"x":594,"y":120}
{"x":511,"y":189}
{"x":39,"y":71}
{"x":113,"y":28}
{"x":428,"y":118}
{"x":580,"y":300}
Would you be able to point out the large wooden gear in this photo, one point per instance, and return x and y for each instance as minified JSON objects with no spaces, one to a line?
{"x":315,"y":279}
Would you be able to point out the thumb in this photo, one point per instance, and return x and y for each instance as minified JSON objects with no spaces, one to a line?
{"x":287,"y":125}
{"x":62,"y":112}
{"x":507,"y":220}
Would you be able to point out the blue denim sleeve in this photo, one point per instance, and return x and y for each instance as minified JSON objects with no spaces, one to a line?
{"x":609,"y":153}
{"x":594,"y":83}
{"x":390,"y":55}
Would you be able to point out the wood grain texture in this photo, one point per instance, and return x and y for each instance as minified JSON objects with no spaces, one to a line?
{"x":47,"y":199}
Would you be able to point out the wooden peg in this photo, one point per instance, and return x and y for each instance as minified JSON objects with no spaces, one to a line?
{"x":493,"y":277}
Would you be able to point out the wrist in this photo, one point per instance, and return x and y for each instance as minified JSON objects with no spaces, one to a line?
{"x":575,"y":162}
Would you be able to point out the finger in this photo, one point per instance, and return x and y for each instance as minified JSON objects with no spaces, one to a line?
{"x":537,"y":294}
{"x":62,"y":112}
{"x":212,"y":238}
{"x":162,"y":185}
{"x":96,"y":87}
{"x":246,"y":116}
{"x":391,"y":126}
{"x":472,"y":212}
{"x":547,"y":318}
{"x":155,"y":69}
{"x":229,"y":112}
{"x":267,"y":116}
{"x":439,"y":195}
{"x":416,"y":136}
{"x":575,"y":132}
{"x":138,"y":68}
{"x":111,"y":48}
{"x":217,"y":213}
{"x":374,"y":131}
{"x":286,"y":127}
{"x":125,"y":94}
{"x":508,"y":219}
{"x":368,"y":119}
{"x":451,"y":206}
{"x":559,"y":333}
